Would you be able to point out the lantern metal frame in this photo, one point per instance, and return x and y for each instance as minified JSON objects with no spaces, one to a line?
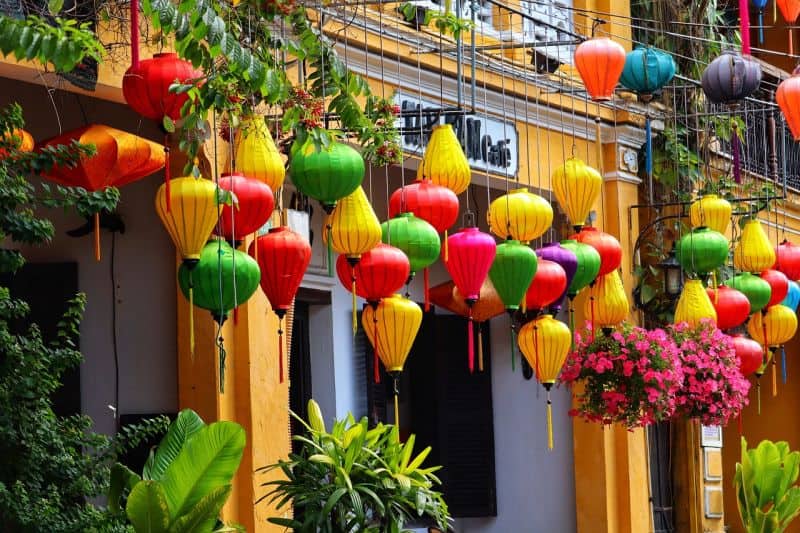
{"x":673,"y":275}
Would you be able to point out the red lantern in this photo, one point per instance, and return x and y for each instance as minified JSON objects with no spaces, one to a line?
{"x":787,"y":260}
{"x":606,"y":245}
{"x":779,"y":284}
{"x":253,"y":207}
{"x":750,"y":354}
{"x":732,"y":306}
{"x":600,"y":62}
{"x":471,"y":256}
{"x":435,"y":204}
{"x":788,"y":98}
{"x":547,"y":286}
{"x":283,"y":257}
{"x":379,"y":274}
{"x":146,"y":86}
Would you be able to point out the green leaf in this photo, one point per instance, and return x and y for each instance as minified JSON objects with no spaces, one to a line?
{"x":55,"y":6}
{"x":185,"y":426}
{"x":147,"y":508}
{"x":122,"y":478}
{"x":168,"y":124}
{"x":203,"y":517}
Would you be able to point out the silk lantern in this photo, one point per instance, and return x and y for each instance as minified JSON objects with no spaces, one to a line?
{"x":779,"y":286}
{"x":788,"y":98}
{"x":519,"y":215}
{"x":753,"y":253}
{"x":647,"y":70}
{"x":694,"y":305}
{"x":19,"y":139}
{"x":730,"y":78}
{"x":444,"y":162}
{"x":256,"y":155}
{"x":471,"y":255}
{"x":600,"y":62}
{"x":756,"y":290}
{"x":328,"y":174}
{"x":702,"y":250}
{"x":606,"y":245}
{"x":545,"y":342}
{"x":576,"y":186}
{"x":192,"y":217}
{"x":391,"y":327}
{"x":607,"y":304}
{"x":567,"y":260}
{"x":547,"y":285}
{"x":417,"y":239}
{"x":792,"y":299}
{"x":760,"y":5}
{"x":435,"y":204}
{"x":712,"y":212}
{"x":774,"y":327}
{"x":512,"y":271}
{"x":283,"y":257}
{"x":787,"y":259}
{"x":732,"y":306}
{"x":750,"y":354}
{"x":252,"y":209}
{"x":588,"y":265}
{"x":790,"y":9}
{"x":120,"y":158}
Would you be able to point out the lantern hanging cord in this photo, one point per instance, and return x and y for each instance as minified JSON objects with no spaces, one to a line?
{"x":547,"y":387}
{"x":114,"y":344}
{"x":396,"y":390}
{"x":222,"y":357}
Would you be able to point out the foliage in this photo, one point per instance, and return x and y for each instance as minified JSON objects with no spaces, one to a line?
{"x":714,"y":390}
{"x":766,"y":492}
{"x":629,"y":377}
{"x":186,"y":480}
{"x":354,"y":479}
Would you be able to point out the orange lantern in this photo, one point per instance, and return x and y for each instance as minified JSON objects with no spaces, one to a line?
{"x":600,"y":62}
{"x":788,"y":98}
{"x":24,"y":143}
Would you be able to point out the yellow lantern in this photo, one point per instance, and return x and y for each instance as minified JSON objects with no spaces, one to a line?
{"x":520,"y":215}
{"x":753,"y":253}
{"x":712,"y":212}
{"x":444,"y":162}
{"x":607,"y":304}
{"x":391,"y":329}
{"x":694,"y":304}
{"x":545,"y":342}
{"x":576,"y":186}
{"x":771,"y":328}
{"x":256,"y":154}
{"x":192,"y":217}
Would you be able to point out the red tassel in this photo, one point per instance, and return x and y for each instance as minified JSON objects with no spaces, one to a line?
{"x":135,"y":33}
{"x":280,"y":351}
{"x":791,"y":43}
{"x":470,"y":344}
{"x":744,"y":16}
{"x":376,"y":363}
{"x":426,"y":278}
{"x":167,"y":177}
{"x":97,"y":236}
{"x":235,"y":316}
{"x":591,"y":304}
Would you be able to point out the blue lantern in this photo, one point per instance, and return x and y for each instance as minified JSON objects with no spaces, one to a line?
{"x":792,"y":299}
{"x":647,"y":70}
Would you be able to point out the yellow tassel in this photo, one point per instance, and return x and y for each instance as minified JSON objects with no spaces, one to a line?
{"x":480,"y":349}
{"x":549,"y":422}
{"x":355,"y":321}
{"x":97,"y":236}
{"x":397,"y":413}
{"x":191,"y":321}
{"x":524,"y":304}
{"x":774,"y":379}
{"x":758,"y":394}
{"x":446,"y":248}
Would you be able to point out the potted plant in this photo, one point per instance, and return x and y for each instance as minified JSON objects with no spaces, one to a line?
{"x":354,"y":479}
{"x":628,"y":377}
{"x":416,"y":15}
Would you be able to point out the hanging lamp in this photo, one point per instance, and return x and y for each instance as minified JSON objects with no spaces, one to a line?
{"x":607,"y":305}
{"x":251,"y":210}
{"x":730,"y":78}
{"x":754,"y":288}
{"x":328,"y":174}
{"x":753,"y":253}
{"x":19,"y":139}
{"x":193,"y":215}
{"x":417,"y":239}
{"x":255,"y":153}
{"x":577,"y":187}
{"x":547,"y":286}
{"x":712,"y":212}
{"x":588,"y":265}
{"x":772,"y":328}
{"x":567,"y":260}
{"x":512,"y":271}
{"x":790,"y":9}
{"x":694,"y":305}
{"x":519,"y":215}
{"x":600,"y":62}
{"x":759,"y":5}
{"x":444,"y":162}
{"x":732,"y":306}
{"x":647,"y":70}
{"x":792,"y":299}
{"x":779,"y":286}
{"x":607,"y":246}
{"x":787,"y":259}
{"x":750,"y":354}
{"x":788,"y":98}
{"x":435,"y":204}
{"x":702,"y":251}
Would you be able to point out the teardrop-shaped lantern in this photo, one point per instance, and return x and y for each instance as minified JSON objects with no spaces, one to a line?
{"x":753,"y":253}
{"x":519,"y":215}
{"x":444,"y":162}
{"x":712,"y":212}
{"x":607,"y":246}
{"x":750,"y":354}
{"x":353,"y":226}
{"x":447,"y":296}
{"x":435,"y":204}
{"x":380,"y":272}
{"x":792,"y":299}
{"x":567,"y":260}
{"x":647,"y":70}
{"x":145,"y":86}
{"x":788,"y":98}
{"x":702,"y":250}
{"x":192,"y":216}
{"x":415,"y":237}
{"x":780,"y":323}
{"x":547,"y":285}
{"x":731,"y":78}
{"x":607,"y":305}
{"x":790,"y":10}
{"x":253,"y":206}
{"x":787,"y":260}
{"x":328,"y":174}
{"x":600,"y":62}
{"x":779,"y":286}
{"x":256,"y":155}
{"x":545,"y":342}
{"x":732,"y":306}
{"x":754,"y":288}
{"x":588,"y":265}
{"x":512,"y":271}
{"x":694,"y":305}
{"x":576,"y":186}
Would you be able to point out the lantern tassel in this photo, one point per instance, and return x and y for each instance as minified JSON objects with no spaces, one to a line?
{"x":376,"y":362}
{"x":135,"y":33}
{"x":591,"y":320}
{"x":760,"y":26}
{"x":648,"y":150}
{"x":549,"y":421}
{"x":791,"y":43}
{"x":774,"y":378}
{"x":280,"y":350}
{"x":97,"y":237}
{"x":784,"y":372}
{"x":513,"y":354}
{"x":235,"y":315}
{"x":222,"y":356}
{"x":758,"y":395}
{"x":470,"y":345}
{"x":191,"y":316}
{"x":330,"y":253}
{"x":167,"y":174}
{"x":571,"y":325}
{"x":737,"y":170}
{"x":353,"y":292}
{"x":396,"y":405}
{"x":426,"y":281}
{"x":744,"y":19}
{"x":480,"y":348}
{"x":446,"y":248}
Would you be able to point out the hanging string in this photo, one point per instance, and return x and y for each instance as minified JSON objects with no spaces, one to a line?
{"x":191,"y":314}
{"x":513,"y":342}
{"x":222,"y":356}
{"x":396,"y":404}
{"x":280,"y":349}
{"x":549,"y":419}
{"x":571,"y":312}
{"x":355,"y":302}
{"x":167,"y":174}
{"x":758,"y":394}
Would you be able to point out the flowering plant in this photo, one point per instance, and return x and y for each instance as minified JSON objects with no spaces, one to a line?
{"x":629,"y":376}
{"x":714,"y":389}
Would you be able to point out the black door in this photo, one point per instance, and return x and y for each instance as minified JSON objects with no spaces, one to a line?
{"x":299,"y":368}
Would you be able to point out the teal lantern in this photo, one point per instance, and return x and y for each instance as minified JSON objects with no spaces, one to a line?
{"x":757,"y":290}
{"x":417,"y":239}
{"x":792,"y":299}
{"x":327,"y":174}
{"x":512,"y":272}
{"x":702,"y":250}
{"x":588,"y":265}
{"x":647,"y":70}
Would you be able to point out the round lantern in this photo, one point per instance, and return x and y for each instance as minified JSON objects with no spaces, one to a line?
{"x":779,"y":286}
{"x":513,"y":269}
{"x":253,"y":207}
{"x":380,"y":272}
{"x":754,"y":288}
{"x":519,"y":215}
{"x":547,"y":285}
{"x":647,"y":70}
{"x":788,"y":98}
{"x":712,"y":212}
{"x":607,"y":304}
{"x":588,"y":265}
{"x":792,"y":299}
{"x":774,"y":327}
{"x":146,"y":86}
{"x":283,"y":257}
{"x":694,"y":305}
{"x":417,"y":239}
{"x":567,"y":260}
{"x":256,"y":155}
{"x":20,"y":140}
{"x":750,"y":354}
{"x":471,"y":255}
{"x":753,"y":253}
{"x":435,"y":204}
{"x":787,"y":259}
{"x":600,"y":62}
{"x":444,"y":162}
{"x":732,"y":306}
{"x":545,"y":342}
{"x":731,"y":78}
{"x":576,"y":186}
{"x":606,"y":245}
{"x":192,"y":217}
{"x":702,"y":250}
{"x":328,"y":174}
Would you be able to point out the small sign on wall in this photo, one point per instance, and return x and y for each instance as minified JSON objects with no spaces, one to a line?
{"x":711,"y":436}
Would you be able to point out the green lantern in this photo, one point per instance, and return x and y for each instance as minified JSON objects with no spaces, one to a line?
{"x":757,"y":290}
{"x":326,"y":175}
{"x":588,"y":265}
{"x":702,"y":250}
{"x":415,"y":237}
{"x":214,"y":277}
{"x":512,"y":272}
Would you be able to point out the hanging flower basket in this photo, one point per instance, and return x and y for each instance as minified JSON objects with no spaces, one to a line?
{"x":629,"y":377}
{"x":714,"y":390}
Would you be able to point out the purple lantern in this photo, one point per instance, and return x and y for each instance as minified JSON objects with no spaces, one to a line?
{"x":566,"y":259}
